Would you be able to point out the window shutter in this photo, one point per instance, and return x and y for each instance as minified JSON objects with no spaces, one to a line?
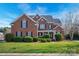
{"x":26,"y":24}
{"x":26,"y":33}
{"x":31,"y":34}
{"x":16,"y":33}
{"x":21,"y":33}
{"x":21,"y":24}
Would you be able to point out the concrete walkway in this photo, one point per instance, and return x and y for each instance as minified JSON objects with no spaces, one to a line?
{"x":37,"y":54}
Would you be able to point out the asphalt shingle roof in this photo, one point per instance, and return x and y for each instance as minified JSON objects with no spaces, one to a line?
{"x":49,"y":18}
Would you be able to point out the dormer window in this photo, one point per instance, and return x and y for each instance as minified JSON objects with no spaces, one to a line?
{"x":24,"y":24}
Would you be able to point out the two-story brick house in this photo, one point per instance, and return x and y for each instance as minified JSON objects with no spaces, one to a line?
{"x":36,"y":25}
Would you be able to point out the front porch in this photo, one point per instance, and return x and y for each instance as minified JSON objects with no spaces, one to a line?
{"x":51,"y":33}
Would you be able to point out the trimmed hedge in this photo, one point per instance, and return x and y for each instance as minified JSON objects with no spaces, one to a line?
{"x":28,"y":39}
{"x":43,"y":40}
{"x":9,"y":37}
{"x":48,"y":40}
{"x":18,"y":39}
{"x":35,"y":39}
{"x":46,"y":36}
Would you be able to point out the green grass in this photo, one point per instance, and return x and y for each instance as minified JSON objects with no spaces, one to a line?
{"x":51,"y":47}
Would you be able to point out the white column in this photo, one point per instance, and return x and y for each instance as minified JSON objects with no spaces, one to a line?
{"x":43,"y":33}
{"x":37,"y":29}
{"x":54,"y":32}
{"x":37,"y":25}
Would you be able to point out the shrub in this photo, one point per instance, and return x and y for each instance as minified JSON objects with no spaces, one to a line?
{"x":46,"y":36}
{"x":9,"y":37}
{"x":18,"y":39}
{"x":35,"y":39}
{"x":42,"y":40}
{"x":58,"y":36}
{"x":48,"y":40}
{"x":28,"y":39}
{"x":40,"y":37}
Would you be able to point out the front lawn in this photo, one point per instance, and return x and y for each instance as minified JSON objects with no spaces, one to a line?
{"x":50,"y":47}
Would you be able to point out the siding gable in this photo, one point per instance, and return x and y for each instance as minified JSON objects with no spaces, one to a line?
{"x":36,"y":18}
{"x":42,"y":20}
{"x":21,"y":17}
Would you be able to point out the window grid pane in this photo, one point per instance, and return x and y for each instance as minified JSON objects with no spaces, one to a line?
{"x":42,"y":26}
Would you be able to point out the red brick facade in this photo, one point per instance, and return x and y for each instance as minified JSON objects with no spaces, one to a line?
{"x":16,"y":26}
{"x":33,"y":24}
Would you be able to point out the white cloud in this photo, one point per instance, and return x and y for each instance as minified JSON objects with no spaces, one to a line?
{"x":6,"y":19}
{"x":40,"y":10}
{"x":26,"y":8}
{"x":4,"y":23}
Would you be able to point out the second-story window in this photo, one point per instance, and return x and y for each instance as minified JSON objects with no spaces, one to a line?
{"x":24,"y":24}
{"x":42,"y":26}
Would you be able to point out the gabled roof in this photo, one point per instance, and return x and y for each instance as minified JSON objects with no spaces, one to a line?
{"x":22,"y":16}
{"x":49,"y":18}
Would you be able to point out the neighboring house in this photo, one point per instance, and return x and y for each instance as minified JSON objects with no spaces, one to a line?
{"x":38,"y":25}
{"x":1,"y":36}
{"x":7,"y":30}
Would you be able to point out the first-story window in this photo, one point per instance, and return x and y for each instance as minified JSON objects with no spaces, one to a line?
{"x":28,"y":33}
{"x":18,"y":33}
{"x":40,"y":34}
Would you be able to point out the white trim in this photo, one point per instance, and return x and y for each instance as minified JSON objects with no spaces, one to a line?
{"x":41,"y":18}
{"x":54,"y":23}
{"x":49,"y":22}
{"x":30,"y":18}
{"x":55,"y":27}
{"x":21,"y":16}
{"x":45,"y":30}
{"x":36,"y":15}
{"x":42,"y":26}
{"x":23,"y":23}
{"x":17,"y":19}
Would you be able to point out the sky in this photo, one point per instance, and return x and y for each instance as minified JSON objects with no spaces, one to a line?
{"x":9,"y":12}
